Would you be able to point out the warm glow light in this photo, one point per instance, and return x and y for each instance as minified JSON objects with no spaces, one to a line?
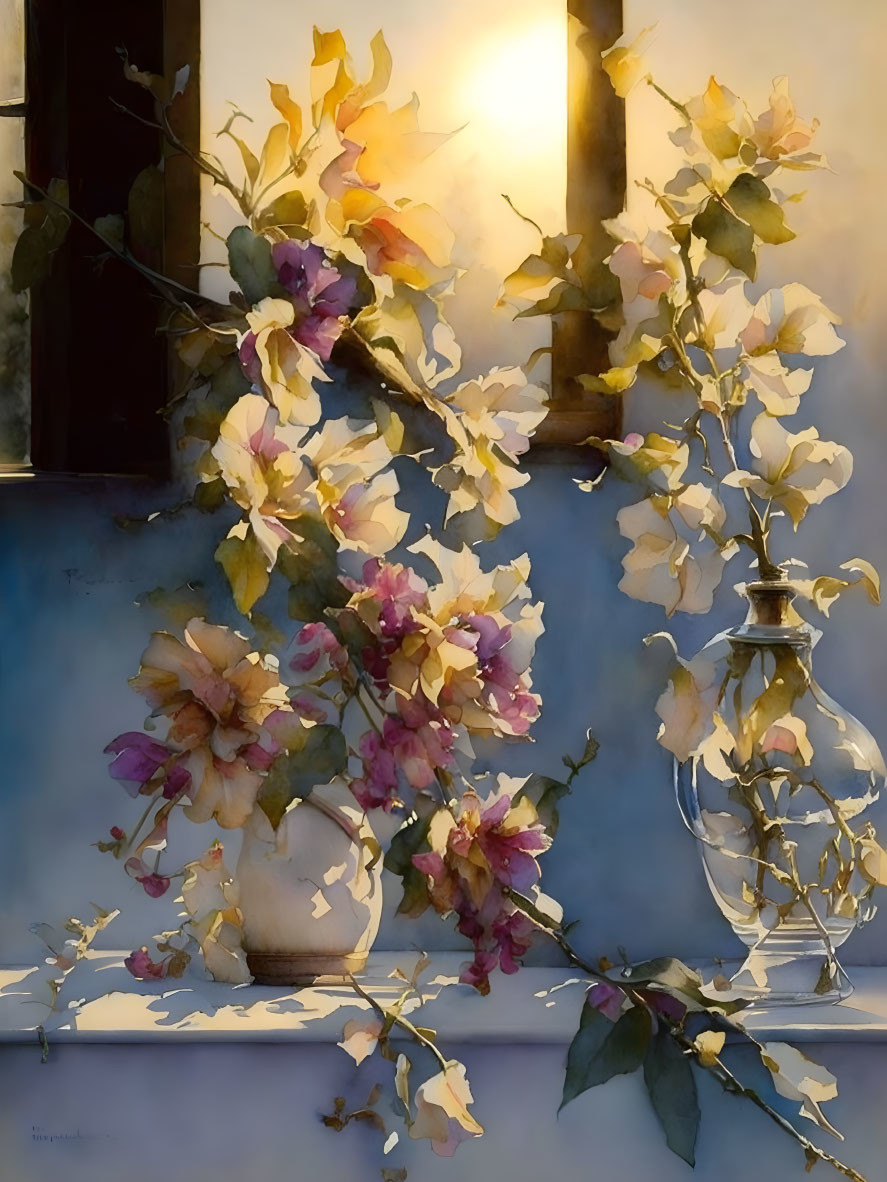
{"x":515,"y":85}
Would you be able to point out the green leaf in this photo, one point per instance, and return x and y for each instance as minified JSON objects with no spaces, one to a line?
{"x":311,"y":568}
{"x":209,"y":495}
{"x":563,"y":297}
{"x":409,"y":840}
{"x":229,"y":383}
{"x":354,"y":634}
{"x":45,"y":230}
{"x":30,"y":259}
{"x":288,"y":210}
{"x":750,"y":199}
{"x":110,"y":227}
{"x":602,"y":1049}
{"x":178,"y":606}
{"x":668,"y":1075}
{"x":277,"y":793}
{"x":249,"y":259}
{"x":545,"y":793}
{"x":592,"y":746}
{"x":265,"y":633}
{"x":144,"y":214}
{"x":673,"y":976}
{"x":321,"y":754}
{"x":668,"y":973}
{"x":245,"y":564}
{"x":726,"y":236}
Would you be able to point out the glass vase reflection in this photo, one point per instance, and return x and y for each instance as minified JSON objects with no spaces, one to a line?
{"x":781,"y":794}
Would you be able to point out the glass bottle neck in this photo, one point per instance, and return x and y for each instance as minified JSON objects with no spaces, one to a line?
{"x":772,"y":618}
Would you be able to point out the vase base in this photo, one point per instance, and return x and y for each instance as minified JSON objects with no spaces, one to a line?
{"x":288,"y":968}
{"x":773,"y":978}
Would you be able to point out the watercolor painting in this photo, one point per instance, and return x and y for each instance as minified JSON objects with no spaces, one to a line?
{"x":433,"y":444}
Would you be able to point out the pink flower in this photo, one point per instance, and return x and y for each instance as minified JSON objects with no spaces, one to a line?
{"x":143,"y":968}
{"x":477,"y":973}
{"x":378,"y":785}
{"x":488,"y":846}
{"x":513,"y":935}
{"x":178,"y":779}
{"x":389,"y":593}
{"x":117,"y":833}
{"x":318,"y":640}
{"x":154,"y":884}
{"x":505,"y":691}
{"x":421,"y":751}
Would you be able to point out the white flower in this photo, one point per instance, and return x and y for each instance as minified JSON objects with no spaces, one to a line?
{"x":648,"y":266}
{"x":360,"y":1038}
{"x":792,"y":319}
{"x":442,"y":1110}
{"x":778,"y":388}
{"x":797,"y":1077}
{"x":796,"y":470}
{"x":502,"y":407}
{"x":665,"y":565}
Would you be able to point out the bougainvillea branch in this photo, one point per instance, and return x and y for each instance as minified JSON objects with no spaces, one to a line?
{"x":683,"y":984}
{"x":397,"y":656}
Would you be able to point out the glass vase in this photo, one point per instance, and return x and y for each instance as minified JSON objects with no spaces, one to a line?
{"x":781,"y":794}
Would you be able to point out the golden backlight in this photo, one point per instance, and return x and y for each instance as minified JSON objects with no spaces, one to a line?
{"x":516,"y":81}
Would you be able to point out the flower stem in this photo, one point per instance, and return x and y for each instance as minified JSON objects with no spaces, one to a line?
{"x":725,"y":1078}
{"x":396,"y":1019}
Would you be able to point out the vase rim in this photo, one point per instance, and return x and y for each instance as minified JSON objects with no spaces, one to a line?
{"x":768,"y":620}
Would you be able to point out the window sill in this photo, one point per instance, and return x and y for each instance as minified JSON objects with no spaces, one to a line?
{"x":20,"y":475}
{"x":536,"y":1006}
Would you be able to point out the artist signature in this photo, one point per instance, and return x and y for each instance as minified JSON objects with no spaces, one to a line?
{"x":60,"y":1137}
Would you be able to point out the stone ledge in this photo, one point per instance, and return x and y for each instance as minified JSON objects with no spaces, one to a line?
{"x":536,"y":1006}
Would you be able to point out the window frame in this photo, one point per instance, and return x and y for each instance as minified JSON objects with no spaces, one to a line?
{"x":94,"y":411}
{"x":596,"y":187}
{"x":83,"y":323}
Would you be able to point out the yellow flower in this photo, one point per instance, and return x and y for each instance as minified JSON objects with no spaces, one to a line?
{"x":258,"y":460}
{"x":798,"y":1077}
{"x":288,"y":370}
{"x":217,"y":693}
{"x":431,"y":659}
{"x":411,"y":243}
{"x":502,"y":407}
{"x":356,"y":498}
{"x":709,"y":1044}
{"x":687,"y":707}
{"x":624,"y":64}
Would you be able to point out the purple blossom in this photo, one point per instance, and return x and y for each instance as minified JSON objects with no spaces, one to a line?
{"x":607,"y":999}
{"x":320,"y":294}
{"x":154,"y":884}
{"x":138,"y":759}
